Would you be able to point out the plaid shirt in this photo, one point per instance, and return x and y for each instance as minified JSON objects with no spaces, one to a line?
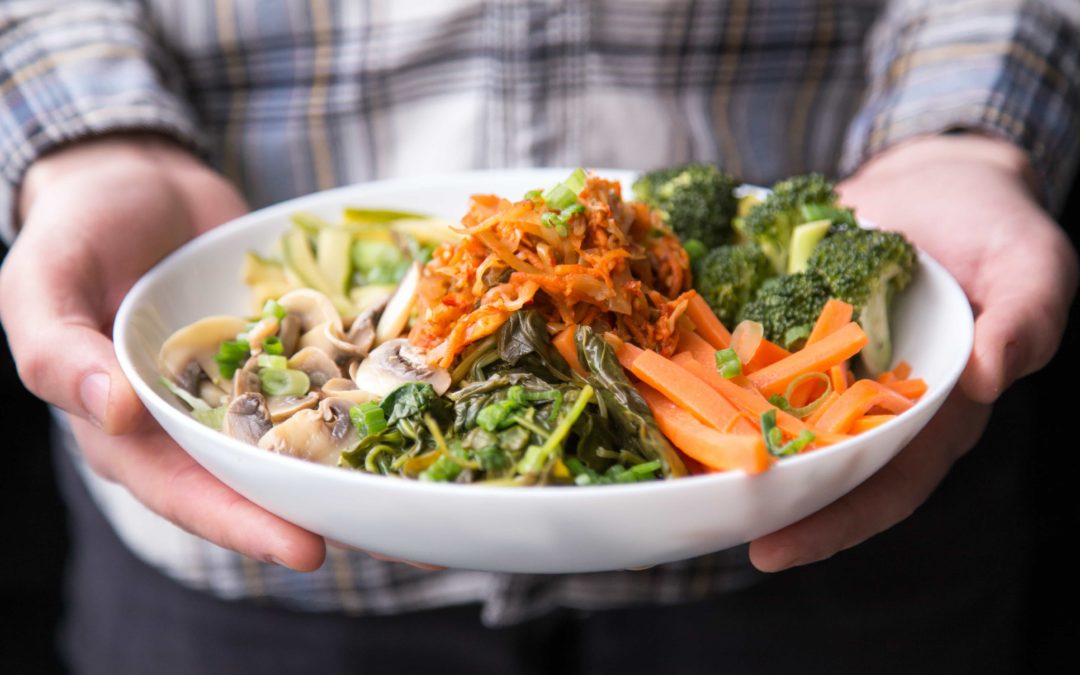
{"x":290,"y":97}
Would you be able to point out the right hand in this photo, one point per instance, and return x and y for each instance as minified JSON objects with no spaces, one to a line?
{"x":96,"y":215}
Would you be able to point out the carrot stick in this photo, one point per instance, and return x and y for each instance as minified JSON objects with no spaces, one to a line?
{"x":689,"y":392}
{"x":812,"y":418}
{"x":627,"y":353}
{"x":705,"y":444}
{"x":834,"y":315}
{"x":868,"y":422}
{"x":913,"y":389}
{"x":749,"y":400}
{"x":902,"y":371}
{"x":695,"y":345}
{"x":859,"y":398}
{"x":567,"y":347}
{"x":820,"y":356}
{"x":708,"y":326}
{"x":767,"y":354}
{"x":838,"y":375}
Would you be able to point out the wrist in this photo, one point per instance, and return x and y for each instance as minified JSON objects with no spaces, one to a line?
{"x":140,"y":154}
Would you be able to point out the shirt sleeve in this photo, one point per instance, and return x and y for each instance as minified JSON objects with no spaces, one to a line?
{"x":76,"y":68}
{"x":1006,"y":68}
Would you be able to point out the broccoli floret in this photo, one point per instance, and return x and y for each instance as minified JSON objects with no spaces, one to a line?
{"x":794,"y":201}
{"x":698,"y":201}
{"x":866,"y":268}
{"x":727,"y":277}
{"x":788,"y":306}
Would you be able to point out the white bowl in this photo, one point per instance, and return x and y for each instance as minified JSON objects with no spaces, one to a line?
{"x":572,"y":529}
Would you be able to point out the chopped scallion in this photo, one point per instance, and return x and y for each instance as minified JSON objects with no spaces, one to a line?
{"x":272,"y":361}
{"x":284,"y":382}
{"x":728,"y":364}
{"x":272,"y":345}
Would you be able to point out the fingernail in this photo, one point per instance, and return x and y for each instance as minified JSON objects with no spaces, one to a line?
{"x":94,"y":392}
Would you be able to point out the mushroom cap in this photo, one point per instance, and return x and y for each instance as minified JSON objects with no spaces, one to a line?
{"x":283,"y":407}
{"x":198,"y":343}
{"x":394,"y":363}
{"x":311,"y":307}
{"x":315,"y":435}
{"x":247,"y":418}
{"x":316,"y":364}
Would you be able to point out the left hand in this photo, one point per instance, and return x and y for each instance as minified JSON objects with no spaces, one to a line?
{"x":968,"y":202}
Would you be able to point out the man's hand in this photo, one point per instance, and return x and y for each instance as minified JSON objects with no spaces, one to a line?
{"x":967,"y":201}
{"x":96,"y":215}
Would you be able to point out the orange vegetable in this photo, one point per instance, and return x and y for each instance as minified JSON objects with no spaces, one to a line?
{"x":767,"y":354}
{"x":913,"y":389}
{"x":813,"y":418}
{"x":749,"y":400}
{"x":868,"y":422}
{"x":567,"y":347}
{"x":834,"y":315}
{"x":818,"y":357}
{"x":706,"y":323}
{"x":838,"y":374}
{"x":696,"y":345}
{"x":689,"y":392}
{"x":705,"y":444}
{"x":861,"y":397}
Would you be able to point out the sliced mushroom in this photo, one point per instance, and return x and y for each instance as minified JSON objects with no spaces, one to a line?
{"x":246,"y":380}
{"x":316,"y":365}
{"x":315,"y":435}
{"x":362,"y":331}
{"x":289,"y":334}
{"x":247,"y":418}
{"x":341,"y":387}
{"x":328,"y":338}
{"x":311,"y":308}
{"x":262,"y":329}
{"x":394,"y":363}
{"x":283,"y":407}
{"x":198,"y":343}
{"x":398,"y":308}
{"x":211,"y":393}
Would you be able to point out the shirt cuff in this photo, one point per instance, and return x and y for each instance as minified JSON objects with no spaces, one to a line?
{"x":1009,"y":70}
{"x":85,"y":69}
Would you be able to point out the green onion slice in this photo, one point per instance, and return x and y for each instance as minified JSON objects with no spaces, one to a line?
{"x":284,"y":382}
{"x":728,"y":363}
{"x":809,"y":408}
{"x":272,"y":361}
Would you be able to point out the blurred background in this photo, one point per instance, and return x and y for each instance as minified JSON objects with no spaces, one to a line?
{"x":31,"y":567}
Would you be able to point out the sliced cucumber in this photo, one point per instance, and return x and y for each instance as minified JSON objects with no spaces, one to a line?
{"x":332,"y":247}
{"x":300,"y":262}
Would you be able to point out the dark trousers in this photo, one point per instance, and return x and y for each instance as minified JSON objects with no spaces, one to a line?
{"x":944,"y":592}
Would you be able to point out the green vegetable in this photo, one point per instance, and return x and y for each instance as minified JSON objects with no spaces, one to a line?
{"x":368,"y":418}
{"x":788,"y":306}
{"x":774,"y":438}
{"x":272,"y":361}
{"x":332,"y":257}
{"x":727,"y":277}
{"x":272,"y":345}
{"x":409,"y":400}
{"x":211,"y":417}
{"x":565,"y":194}
{"x":284,"y":382}
{"x":231,"y":356}
{"x":378,"y":262}
{"x":193,"y":402}
{"x":866,"y":268}
{"x":728,"y":364}
{"x":272,"y":309}
{"x":698,"y":201}
{"x":771,"y":223}
{"x":300,"y":260}
{"x":537,"y":457}
{"x":803,"y":240}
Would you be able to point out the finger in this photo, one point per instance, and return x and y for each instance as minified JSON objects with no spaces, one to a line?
{"x":52,"y":314}
{"x":883,"y":500}
{"x":169,"y":482}
{"x":1021,"y":316}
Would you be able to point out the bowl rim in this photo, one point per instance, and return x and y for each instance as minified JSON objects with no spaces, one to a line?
{"x":155,"y":403}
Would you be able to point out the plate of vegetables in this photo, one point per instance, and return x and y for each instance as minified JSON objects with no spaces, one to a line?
{"x":546,"y":370}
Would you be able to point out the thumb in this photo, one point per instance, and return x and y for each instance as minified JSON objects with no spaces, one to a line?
{"x":54,"y":319}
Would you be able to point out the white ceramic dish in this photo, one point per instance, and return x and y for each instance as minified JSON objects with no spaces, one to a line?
{"x":545,"y":530}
